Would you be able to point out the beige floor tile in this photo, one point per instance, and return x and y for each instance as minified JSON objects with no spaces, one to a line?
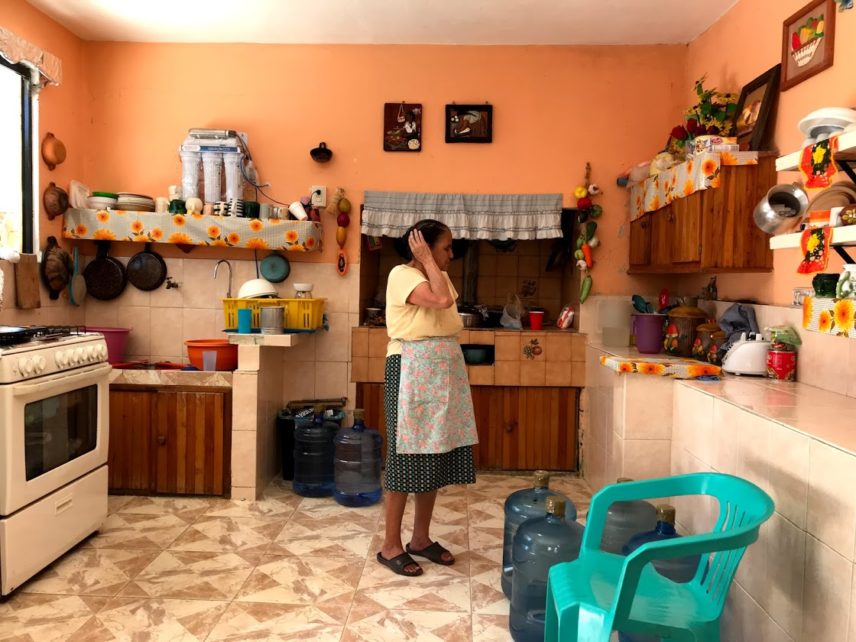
{"x":439,"y":588}
{"x":130,"y":530}
{"x":319,"y":623}
{"x":490,"y":628}
{"x":442,"y":626}
{"x":485,"y":587}
{"x":303,"y":580}
{"x":187,"y":508}
{"x":248,"y":536}
{"x":191,"y":575}
{"x":45,"y":617}
{"x":115,"y":502}
{"x":336,"y":539}
{"x":90,"y":571}
{"x":272,"y":506}
{"x":156,"y":619}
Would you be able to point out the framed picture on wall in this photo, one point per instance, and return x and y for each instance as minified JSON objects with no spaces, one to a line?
{"x":469,"y":123}
{"x":808,"y":42}
{"x":755,"y":110}
{"x":402,"y":127}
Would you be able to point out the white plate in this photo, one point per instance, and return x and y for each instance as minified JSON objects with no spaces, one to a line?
{"x":100,"y":203}
{"x":834,"y":116}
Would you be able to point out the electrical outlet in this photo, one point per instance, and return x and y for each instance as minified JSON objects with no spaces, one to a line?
{"x":318,"y":194}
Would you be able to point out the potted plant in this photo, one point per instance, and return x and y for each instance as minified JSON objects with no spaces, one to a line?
{"x":711,"y":115}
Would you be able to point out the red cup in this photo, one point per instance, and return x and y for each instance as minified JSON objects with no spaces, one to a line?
{"x":536,"y":320}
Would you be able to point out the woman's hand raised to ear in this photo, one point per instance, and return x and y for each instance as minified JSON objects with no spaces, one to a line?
{"x":419,"y":248}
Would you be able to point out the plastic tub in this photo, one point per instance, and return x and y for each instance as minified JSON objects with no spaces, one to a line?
{"x":227,"y":354}
{"x":117,"y":341}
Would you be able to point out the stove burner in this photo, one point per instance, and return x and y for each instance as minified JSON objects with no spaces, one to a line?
{"x":48,"y":332}
{"x":13,"y":335}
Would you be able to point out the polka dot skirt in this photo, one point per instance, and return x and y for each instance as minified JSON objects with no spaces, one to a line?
{"x":419,"y":473}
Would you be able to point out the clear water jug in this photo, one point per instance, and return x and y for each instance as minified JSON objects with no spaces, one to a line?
{"x":538,"y":544}
{"x":520,"y":506}
{"x":677,"y":569}
{"x":313,"y":455}
{"x":624,"y":520}
{"x":357,"y":464}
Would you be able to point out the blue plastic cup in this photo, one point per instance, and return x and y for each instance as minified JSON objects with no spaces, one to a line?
{"x":245,"y":320}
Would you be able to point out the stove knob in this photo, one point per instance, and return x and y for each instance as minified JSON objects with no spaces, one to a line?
{"x":89,"y":353}
{"x":41,"y":363}
{"x":25,"y":365}
{"x":78,"y":356}
{"x":61,"y":358}
{"x":102,"y":352}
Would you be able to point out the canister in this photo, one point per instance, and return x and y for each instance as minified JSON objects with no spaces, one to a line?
{"x":271,"y":320}
{"x":782,"y":365}
{"x":681,"y":330}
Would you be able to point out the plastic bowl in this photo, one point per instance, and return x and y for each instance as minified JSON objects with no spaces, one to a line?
{"x":227,"y":354}
{"x":116,"y":339}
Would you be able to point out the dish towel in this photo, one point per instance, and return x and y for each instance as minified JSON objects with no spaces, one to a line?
{"x":735,"y":321}
{"x":814,"y":244}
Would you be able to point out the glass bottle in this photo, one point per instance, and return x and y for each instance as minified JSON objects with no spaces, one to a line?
{"x":313,"y":455}
{"x":520,"y":506}
{"x":624,"y":520}
{"x":357,"y":464}
{"x":538,"y":544}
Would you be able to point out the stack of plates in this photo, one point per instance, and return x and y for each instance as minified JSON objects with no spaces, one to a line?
{"x":135,"y":202}
{"x":840,"y":194}
{"x":823,"y":123}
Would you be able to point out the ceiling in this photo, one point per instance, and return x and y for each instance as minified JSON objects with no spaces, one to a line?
{"x":464,"y":22}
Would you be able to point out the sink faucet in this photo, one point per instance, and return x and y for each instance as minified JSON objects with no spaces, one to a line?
{"x":229,"y":265}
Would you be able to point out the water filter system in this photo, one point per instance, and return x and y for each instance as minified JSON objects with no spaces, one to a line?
{"x":218,"y":153}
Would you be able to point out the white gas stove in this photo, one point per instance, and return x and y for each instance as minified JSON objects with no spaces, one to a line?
{"x":44,"y":350}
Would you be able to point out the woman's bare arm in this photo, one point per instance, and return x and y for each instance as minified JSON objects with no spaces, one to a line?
{"x":435,"y":293}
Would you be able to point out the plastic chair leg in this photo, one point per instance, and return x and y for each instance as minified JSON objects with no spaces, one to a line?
{"x":707,"y":632}
{"x":580,"y":624}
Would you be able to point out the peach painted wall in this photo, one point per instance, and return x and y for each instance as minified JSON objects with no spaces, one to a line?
{"x":742,"y":45}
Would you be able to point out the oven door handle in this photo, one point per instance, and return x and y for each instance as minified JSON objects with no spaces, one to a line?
{"x":22,"y":389}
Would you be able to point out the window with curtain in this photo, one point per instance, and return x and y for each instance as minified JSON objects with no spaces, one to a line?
{"x":16,"y":171}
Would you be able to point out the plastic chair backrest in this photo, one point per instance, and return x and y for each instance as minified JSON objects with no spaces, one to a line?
{"x":743,"y":507}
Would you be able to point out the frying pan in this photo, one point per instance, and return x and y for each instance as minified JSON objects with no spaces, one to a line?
{"x":275,"y":268}
{"x":146,"y":270}
{"x":105,"y":276}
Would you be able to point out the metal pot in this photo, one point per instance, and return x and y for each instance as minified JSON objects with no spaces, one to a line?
{"x":781,"y":209}
{"x":469,"y":319}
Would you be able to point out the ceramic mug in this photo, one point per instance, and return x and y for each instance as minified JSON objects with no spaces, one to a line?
{"x":161,"y":205}
{"x":251,"y":209}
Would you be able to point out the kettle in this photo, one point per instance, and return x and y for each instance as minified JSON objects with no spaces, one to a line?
{"x":781,"y":209}
{"x":748,"y":356}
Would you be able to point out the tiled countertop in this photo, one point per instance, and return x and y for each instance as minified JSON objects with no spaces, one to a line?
{"x":171,"y":378}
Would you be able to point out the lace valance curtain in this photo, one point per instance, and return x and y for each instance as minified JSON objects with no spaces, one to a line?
{"x":17,"y":50}
{"x":469,"y":216}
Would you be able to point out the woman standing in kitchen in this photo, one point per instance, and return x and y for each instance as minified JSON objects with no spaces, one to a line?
{"x":429,"y":411}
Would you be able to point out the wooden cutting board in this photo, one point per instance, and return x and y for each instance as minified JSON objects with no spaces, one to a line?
{"x":27,"y":294}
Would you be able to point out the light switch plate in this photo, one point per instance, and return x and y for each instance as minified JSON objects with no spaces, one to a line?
{"x":318,"y":194}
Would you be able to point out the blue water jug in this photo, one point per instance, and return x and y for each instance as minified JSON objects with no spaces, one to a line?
{"x":625,"y":520}
{"x":520,"y":506}
{"x":677,"y":569}
{"x":538,"y":544}
{"x":357,"y":465}
{"x":313,"y":455}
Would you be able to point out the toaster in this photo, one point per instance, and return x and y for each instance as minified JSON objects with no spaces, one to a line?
{"x":748,"y":356}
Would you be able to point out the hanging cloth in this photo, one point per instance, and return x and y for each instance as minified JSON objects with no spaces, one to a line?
{"x":435,"y":407}
{"x":470,"y":216}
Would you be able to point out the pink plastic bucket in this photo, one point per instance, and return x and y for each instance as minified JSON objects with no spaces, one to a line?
{"x":117,"y":341}
{"x":648,"y":329}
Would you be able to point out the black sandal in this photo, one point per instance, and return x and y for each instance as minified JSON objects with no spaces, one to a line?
{"x":400,"y":562}
{"x":433,"y":552}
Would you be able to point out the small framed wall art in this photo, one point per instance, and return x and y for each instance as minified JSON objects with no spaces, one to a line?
{"x":755,"y":108}
{"x":808,"y":42}
{"x":402,"y":127}
{"x":469,"y":123}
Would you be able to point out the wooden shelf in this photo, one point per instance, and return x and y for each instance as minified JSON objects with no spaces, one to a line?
{"x":843,"y":236}
{"x":846,"y":152}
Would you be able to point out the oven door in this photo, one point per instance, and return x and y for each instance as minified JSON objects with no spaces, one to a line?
{"x":54,"y":431}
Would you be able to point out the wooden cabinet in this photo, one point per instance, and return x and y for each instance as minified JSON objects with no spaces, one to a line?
{"x":171,"y":440}
{"x":708,"y":231}
{"x":520,"y":428}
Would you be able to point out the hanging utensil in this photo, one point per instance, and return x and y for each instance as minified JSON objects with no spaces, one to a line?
{"x":146,"y":270}
{"x":77,"y":285}
{"x":55,"y":269}
{"x":105,"y":276}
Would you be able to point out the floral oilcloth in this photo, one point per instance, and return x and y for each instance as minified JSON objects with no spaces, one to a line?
{"x":830,"y":316}
{"x":435,"y":407}
{"x":698,"y":173}
{"x":672,"y":367}
{"x":192,"y":229}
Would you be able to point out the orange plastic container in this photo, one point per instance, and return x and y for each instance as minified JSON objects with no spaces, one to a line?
{"x":227,"y":354}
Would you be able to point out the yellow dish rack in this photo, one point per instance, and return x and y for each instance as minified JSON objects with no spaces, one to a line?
{"x":300,"y":314}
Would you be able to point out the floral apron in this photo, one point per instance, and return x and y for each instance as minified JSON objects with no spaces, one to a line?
{"x":435,"y":408}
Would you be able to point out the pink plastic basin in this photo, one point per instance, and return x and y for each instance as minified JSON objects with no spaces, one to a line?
{"x":117,"y":341}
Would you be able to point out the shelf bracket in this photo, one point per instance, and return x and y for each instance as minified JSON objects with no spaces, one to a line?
{"x":847,"y":167}
{"x":844,"y":254}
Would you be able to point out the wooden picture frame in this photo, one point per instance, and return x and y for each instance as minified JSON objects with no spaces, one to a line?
{"x":402,"y":127}
{"x":469,"y":123}
{"x":808,"y":42}
{"x":754,"y":109}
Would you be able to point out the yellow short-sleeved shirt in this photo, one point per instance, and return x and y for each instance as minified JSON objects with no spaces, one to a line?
{"x":408,"y":322}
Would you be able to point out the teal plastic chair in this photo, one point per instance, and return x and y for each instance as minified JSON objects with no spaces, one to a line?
{"x":601,"y":592}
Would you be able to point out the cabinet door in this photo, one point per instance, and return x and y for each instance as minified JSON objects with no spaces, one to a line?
{"x":370,"y":399}
{"x":662,"y":231}
{"x":191,"y":433}
{"x":686,"y":229}
{"x":496,"y":420}
{"x":547,"y":429}
{"x":130,"y":464}
{"x":640,"y":241}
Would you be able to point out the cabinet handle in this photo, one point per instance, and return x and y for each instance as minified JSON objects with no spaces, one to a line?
{"x":511,"y":426}
{"x":162,"y":440}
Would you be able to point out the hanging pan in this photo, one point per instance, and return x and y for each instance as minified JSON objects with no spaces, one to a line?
{"x":275,"y":268}
{"x":146,"y":270}
{"x":105,"y":276}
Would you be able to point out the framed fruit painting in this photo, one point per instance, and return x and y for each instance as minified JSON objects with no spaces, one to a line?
{"x":808,"y":42}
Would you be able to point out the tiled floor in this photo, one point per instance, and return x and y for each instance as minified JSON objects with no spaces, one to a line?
{"x":283,"y":568}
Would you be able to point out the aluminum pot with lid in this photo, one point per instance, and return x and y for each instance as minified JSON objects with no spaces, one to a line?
{"x":781,"y":209}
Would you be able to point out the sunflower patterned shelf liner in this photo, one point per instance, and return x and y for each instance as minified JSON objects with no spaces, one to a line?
{"x":698,"y":173}
{"x":674,"y":367}
{"x":830,"y":316}
{"x":192,"y":229}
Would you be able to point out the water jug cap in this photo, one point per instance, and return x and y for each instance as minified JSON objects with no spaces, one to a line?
{"x":666,"y":513}
{"x":359,"y":414}
{"x":542,"y":479}
{"x":555,"y":506}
